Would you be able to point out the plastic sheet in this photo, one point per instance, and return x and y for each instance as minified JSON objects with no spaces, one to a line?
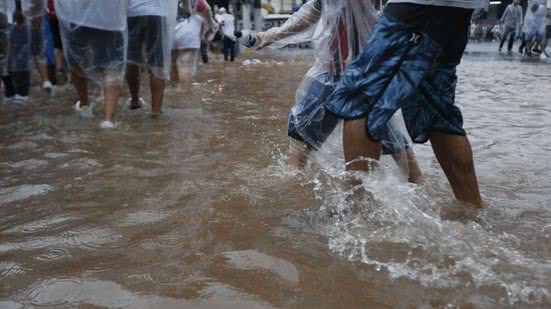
{"x":3,"y":37}
{"x":95,"y":37}
{"x":151,"y":33}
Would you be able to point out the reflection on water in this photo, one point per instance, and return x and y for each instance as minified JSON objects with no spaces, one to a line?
{"x":197,"y":209}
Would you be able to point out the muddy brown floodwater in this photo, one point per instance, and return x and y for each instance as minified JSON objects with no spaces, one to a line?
{"x":198,"y":210}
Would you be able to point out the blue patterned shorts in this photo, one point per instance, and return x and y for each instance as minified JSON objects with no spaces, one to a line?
{"x":399,"y":68}
{"x":312,"y":125}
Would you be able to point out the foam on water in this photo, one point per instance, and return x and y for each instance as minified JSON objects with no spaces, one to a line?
{"x":396,"y":227}
{"x":18,"y":193}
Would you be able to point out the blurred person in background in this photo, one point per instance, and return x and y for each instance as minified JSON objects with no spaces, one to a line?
{"x":511,"y":22}
{"x":227,"y":24}
{"x":150,"y":32}
{"x":95,"y":37}
{"x":189,"y":32}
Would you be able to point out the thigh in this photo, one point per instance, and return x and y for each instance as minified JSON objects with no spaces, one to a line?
{"x":155,"y":40}
{"x":77,"y":44}
{"x":109,"y":49}
{"x":136,"y":29}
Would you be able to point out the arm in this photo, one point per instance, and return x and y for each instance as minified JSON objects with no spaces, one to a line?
{"x":184,"y":7}
{"x":308,"y":15}
{"x":502,"y":20}
{"x":211,"y":25}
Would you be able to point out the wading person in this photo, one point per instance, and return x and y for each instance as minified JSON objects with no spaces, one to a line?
{"x":150,"y":33}
{"x":189,"y":32}
{"x":34,"y":11}
{"x":535,"y":27}
{"x":227,"y":24}
{"x":409,"y":62}
{"x":341,"y":29}
{"x":511,"y":21}
{"x":61,"y":72}
{"x":19,"y":58}
{"x":95,"y":37}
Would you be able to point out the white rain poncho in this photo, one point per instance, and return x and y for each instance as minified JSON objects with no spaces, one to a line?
{"x":3,"y":37}
{"x":338,"y":30}
{"x":34,"y":10}
{"x":534,"y":21}
{"x":150,"y":34}
{"x":95,"y":36}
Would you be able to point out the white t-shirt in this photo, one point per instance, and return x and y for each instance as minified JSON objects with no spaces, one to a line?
{"x":228,"y":27}
{"x":188,"y":32}
{"x":100,"y":14}
{"x":144,"y":8}
{"x":465,"y":4}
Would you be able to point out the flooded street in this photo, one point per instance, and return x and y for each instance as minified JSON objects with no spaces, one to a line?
{"x":197,"y":209}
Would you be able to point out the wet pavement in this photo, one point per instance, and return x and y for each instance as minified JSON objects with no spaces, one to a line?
{"x":197,"y":209}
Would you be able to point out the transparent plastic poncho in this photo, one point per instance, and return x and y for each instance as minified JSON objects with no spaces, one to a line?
{"x":95,"y":37}
{"x":3,"y":37}
{"x":34,"y":10}
{"x":167,"y":10}
{"x":338,"y":29}
{"x":20,"y":57}
{"x":530,"y":20}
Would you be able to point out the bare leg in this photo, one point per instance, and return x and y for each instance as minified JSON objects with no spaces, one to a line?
{"x":59,"y":60}
{"x":81,"y":86}
{"x":184,"y":76}
{"x":298,"y":153}
{"x":408,"y":165}
{"x":414,"y":172}
{"x":358,"y":145}
{"x":133,"y":80}
{"x":42,"y":68}
{"x":456,"y":158}
{"x":112,"y":85}
{"x":157,"y":92}
{"x":185,"y":62}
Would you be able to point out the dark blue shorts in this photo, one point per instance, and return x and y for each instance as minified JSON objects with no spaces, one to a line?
{"x":401,"y":67}
{"x":312,"y":125}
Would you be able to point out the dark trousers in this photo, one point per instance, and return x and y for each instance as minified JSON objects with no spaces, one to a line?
{"x":229,"y":49}
{"x":522,"y":46}
{"x":205,"y":52}
{"x":508,"y":32}
{"x":22,"y":81}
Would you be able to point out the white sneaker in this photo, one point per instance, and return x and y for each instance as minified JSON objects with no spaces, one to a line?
{"x":543,"y":56}
{"x":106,"y":124}
{"x":8,"y":100}
{"x":135,"y":104}
{"x":48,"y":87}
{"x":85,"y":111}
{"x":20,"y":99}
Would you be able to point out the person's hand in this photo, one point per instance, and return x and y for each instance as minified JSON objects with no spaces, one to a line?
{"x":263,"y":40}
